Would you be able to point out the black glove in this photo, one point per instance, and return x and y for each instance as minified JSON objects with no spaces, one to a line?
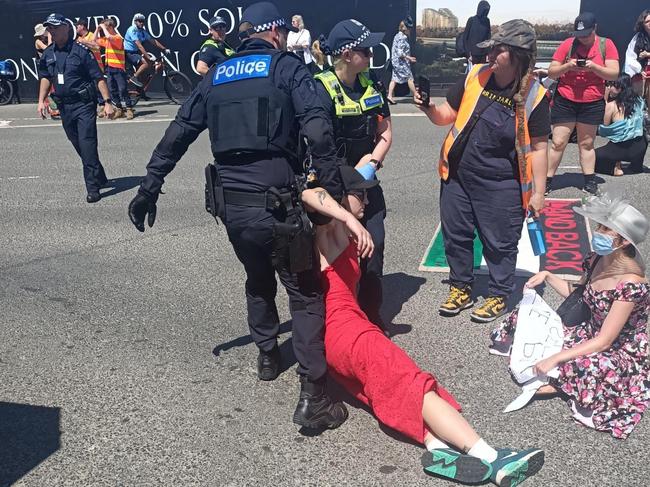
{"x":138,"y":208}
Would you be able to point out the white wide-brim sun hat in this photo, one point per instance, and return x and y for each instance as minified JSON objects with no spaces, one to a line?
{"x":617,"y":214}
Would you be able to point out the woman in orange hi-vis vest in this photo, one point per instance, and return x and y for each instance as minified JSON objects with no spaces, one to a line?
{"x":492,"y":166}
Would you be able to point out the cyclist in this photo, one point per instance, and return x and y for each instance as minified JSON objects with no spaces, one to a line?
{"x":135,"y":37}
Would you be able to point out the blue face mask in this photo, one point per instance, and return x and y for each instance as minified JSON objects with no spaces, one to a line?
{"x":602,"y":244}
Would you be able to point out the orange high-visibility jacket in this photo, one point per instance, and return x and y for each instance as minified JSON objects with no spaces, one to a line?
{"x":114,"y":50}
{"x":475,"y":82}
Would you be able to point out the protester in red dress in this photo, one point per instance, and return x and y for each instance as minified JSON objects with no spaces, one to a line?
{"x":581,"y":64}
{"x":380,"y":374}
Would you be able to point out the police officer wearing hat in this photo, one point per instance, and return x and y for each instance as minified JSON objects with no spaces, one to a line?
{"x":362,"y":128}
{"x":71,"y":68}
{"x":215,"y":49}
{"x":253,"y":105}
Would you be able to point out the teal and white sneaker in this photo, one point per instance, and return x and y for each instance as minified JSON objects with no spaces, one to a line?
{"x":513,"y":467}
{"x":451,"y":464}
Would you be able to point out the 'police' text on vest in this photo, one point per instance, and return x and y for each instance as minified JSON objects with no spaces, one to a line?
{"x":255,"y":66}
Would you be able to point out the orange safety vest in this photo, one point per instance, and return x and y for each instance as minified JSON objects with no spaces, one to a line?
{"x":114,"y":50}
{"x":475,"y":83}
{"x":95,"y":50}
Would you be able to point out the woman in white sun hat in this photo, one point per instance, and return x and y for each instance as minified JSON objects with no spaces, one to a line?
{"x":604,"y":367}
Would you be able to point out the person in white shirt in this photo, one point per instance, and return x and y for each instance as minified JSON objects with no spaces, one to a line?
{"x":300,"y":42}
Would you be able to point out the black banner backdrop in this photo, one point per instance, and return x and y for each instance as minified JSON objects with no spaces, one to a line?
{"x":182,"y":25}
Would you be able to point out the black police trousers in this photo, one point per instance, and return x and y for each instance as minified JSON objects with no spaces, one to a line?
{"x":250,"y":231}
{"x":370,"y":291}
{"x":80,"y":125}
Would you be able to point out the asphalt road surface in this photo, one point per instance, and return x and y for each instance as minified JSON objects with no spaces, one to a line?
{"x":125,"y":358}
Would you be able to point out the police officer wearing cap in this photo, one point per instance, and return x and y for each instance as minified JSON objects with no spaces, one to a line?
{"x":253,"y":105}
{"x":362,"y":128}
{"x":71,"y":68}
{"x":215,"y":49}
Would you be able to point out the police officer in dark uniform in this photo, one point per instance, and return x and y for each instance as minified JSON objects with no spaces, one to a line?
{"x":363,"y":131}
{"x":73,"y":71}
{"x":253,"y":105}
{"x":215,"y":49}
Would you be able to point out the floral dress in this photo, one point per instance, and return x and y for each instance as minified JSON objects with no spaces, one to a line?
{"x":401,"y":67}
{"x":610,"y":390}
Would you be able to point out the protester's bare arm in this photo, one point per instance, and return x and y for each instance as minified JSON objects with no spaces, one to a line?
{"x":557,"y":69}
{"x":618,"y":315}
{"x":539,"y":156}
{"x":202,"y":68}
{"x":562,"y":287}
{"x":609,"y":72}
{"x":441,"y":114}
{"x":384,"y":140}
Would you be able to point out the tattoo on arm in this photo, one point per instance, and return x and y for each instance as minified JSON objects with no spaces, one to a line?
{"x":322,"y":194}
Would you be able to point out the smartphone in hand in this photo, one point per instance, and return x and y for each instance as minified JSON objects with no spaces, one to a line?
{"x":581,"y":63}
{"x":424,"y":87}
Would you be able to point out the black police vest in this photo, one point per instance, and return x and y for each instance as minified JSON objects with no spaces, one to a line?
{"x":247,"y":113}
{"x":357,"y":134}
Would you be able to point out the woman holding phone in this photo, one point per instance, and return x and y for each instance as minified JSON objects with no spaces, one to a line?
{"x":492,"y":166}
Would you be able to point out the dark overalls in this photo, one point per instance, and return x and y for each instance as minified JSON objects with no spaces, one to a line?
{"x":73,"y":71}
{"x":356,"y":137}
{"x":252,"y":114}
{"x":483,"y":193}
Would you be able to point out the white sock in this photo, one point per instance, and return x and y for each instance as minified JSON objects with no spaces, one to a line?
{"x":483,"y":451}
{"x":433,"y":443}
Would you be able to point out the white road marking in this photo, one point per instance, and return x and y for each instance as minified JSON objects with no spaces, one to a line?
{"x":18,"y":178}
{"x":4,"y":123}
{"x":58,"y":124}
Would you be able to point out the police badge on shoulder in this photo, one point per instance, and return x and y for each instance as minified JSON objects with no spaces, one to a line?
{"x":245,"y":67}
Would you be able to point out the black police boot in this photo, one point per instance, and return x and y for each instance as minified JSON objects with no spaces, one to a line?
{"x":268,"y":364}
{"x":93,"y":197}
{"x":316,"y":409}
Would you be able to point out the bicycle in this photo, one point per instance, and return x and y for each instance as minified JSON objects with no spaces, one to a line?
{"x":177,"y":85}
{"x":7,"y":73}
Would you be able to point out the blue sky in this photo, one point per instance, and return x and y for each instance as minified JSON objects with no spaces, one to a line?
{"x":503,"y":10}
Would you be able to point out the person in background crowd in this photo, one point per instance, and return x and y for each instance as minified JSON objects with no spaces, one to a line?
{"x":401,"y":60}
{"x":492,"y":166}
{"x":254,"y":173}
{"x":299,"y":42}
{"x":378,"y":373}
{"x":136,"y":54}
{"x":623,"y":126}
{"x":320,"y":59}
{"x":581,"y":64}
{"x":42,"y":39}
{"x":87,"y":38}
{"x":605,"y":364}
{"x":363,"y":130}
{"x":73,"y":71}
{"x":477,"y":30}
{"x":113,"y":43}
{"x":637,"y":55}
{"x":215,"y":49}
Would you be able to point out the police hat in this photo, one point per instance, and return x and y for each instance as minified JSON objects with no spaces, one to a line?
{"x":350,"y":34}
{"x":354,"y":181}
{"x":55,"y":20}
{"x":217,"y":21}
{"x":263,"y":16}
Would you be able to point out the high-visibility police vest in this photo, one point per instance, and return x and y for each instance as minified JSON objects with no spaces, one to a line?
{"x":475,"y":83}
{"x":222,"y":46}
{"x":355,"y":122}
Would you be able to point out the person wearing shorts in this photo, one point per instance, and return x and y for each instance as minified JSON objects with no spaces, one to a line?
{"x":581,"y":64}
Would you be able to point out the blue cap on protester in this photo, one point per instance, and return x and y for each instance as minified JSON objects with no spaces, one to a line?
{"x":263,"y":16}
{"x":55,"y":20}
{"x":349,"y":34}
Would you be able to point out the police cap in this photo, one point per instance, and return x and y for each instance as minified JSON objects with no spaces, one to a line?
{"x":349,"y":34}
{"x":217,"y":21}
{"x":263,"y":16}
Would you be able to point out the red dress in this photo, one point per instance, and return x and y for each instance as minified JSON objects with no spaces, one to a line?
{"x":371,"y":367}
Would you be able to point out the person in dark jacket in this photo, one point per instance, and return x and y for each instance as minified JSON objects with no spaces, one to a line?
{"x":477,"y":30}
